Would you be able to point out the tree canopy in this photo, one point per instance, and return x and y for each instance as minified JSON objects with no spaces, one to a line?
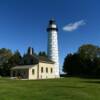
{"x":89,"y":51}
{"x":85,"y":62}
{"x":9,"y":60}
{"x":30,"y":57}
{"x":42,"y":53}
{"x":5,"y":54}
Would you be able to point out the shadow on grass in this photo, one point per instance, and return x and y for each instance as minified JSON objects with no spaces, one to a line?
{"x":89,"y":79}
{"x":92,"y":81}
{"x":69,"y":87}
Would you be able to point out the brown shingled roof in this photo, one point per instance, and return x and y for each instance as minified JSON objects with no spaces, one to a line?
{"x":45,"y":59}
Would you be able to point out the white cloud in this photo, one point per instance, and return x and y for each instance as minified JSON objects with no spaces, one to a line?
{"x":73,"y":26}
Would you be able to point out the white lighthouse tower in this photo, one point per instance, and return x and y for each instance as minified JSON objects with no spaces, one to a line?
{"x":53,"y":53}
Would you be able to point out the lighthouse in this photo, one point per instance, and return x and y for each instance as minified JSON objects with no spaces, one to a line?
{"x":52,"y":50}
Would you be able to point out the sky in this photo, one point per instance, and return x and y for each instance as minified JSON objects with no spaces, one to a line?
{"x":23,"y":23}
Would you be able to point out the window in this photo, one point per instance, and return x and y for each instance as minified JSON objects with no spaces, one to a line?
{"x":46,"y":70}
{"x":41,"y":69}
{"x":33,"y":71}
{"x":51,"y":70}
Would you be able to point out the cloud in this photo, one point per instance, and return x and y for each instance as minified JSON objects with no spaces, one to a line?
{"x":74,"y":26}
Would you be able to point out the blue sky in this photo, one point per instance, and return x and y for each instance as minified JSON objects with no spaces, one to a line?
{"x":23,"y":23}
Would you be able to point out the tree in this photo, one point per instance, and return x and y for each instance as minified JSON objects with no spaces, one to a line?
{"x":12,"y":60}
{"x":29,"y":59}
{"x":66,"y":65}
{"x":89,"y":51}
{"x":85,"y":62}
{"x":15,"y":59}
{"x":5,"y":55}
{"x":42,"y":53}
{"x":71,"y":64}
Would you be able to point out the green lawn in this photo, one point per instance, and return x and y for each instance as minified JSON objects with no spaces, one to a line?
{"x":55,"y":89}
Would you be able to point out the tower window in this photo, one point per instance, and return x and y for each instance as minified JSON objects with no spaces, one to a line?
{"x":51,"y":70}
{"x":41,"y":69}
{"x":33,"y":71}
{"x":46,"y":70}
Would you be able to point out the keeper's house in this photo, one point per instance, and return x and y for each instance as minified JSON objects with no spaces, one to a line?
{"x":42,"y":70}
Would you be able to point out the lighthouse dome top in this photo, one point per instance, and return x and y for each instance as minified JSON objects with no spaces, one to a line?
{"x":52,"y":25}
{"x":52,"y":21}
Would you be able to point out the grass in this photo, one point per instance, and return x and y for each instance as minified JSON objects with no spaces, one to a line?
{"x":55,"y":89}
